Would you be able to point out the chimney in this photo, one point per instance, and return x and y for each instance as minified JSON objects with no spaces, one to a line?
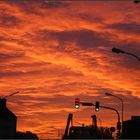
{"x":2,"y":103}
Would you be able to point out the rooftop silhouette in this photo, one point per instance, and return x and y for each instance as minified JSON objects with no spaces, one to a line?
{"x":8,"y":121}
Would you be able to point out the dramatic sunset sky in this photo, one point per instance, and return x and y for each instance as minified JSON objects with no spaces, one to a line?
{"x":55,"y":51}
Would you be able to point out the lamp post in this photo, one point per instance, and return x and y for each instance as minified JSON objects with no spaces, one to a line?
{"x":116,"y":50}
{"x":109,"y":94}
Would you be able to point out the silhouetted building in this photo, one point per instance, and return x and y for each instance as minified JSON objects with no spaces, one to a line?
{"x":131,"y":128}
{"x":7,"y":121}
{"x":86,"y":132}
{"x":26,"y":135}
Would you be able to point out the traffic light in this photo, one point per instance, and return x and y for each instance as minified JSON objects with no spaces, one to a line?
{"x":77,"y":103}
{"x":136,"y":1}
{"x":97,"y":106}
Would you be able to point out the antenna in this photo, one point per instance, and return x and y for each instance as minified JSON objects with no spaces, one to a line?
{"x":11,"y":94}
{"x":59,"y":131}
{"x":79,"y":123}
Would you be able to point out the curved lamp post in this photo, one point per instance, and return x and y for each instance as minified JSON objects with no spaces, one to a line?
{"x":109,"y":94}
{"x":116,"y":50}
{"x":110,"y":108}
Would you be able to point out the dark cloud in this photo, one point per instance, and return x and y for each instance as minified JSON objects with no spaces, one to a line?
{"x":26,"y":6}
{"x":50,"y":70}
{"x":85,"y":17}
{"x":34,"y":6}
{"x":3,"y":56}
{"x":63,"y":101}
{"x":21,"y":73}
{"x":17,"y":55}
{"x":83,"y":38}
{"x":9,"y":21}
{"x":4,"y":38}
{"x":88,"y":39}
{"x":53,"y":4}
{"x":131,"y":28}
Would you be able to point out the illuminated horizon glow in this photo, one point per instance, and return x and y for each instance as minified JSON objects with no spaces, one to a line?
{"x":55,"y":52}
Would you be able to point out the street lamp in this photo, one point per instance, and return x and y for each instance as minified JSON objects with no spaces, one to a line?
{"x":109,"y":94}
{"x":116,"y":50}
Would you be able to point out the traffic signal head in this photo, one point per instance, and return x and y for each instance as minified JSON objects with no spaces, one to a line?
{"x":97,"y":106}
{"x":77,"y":103}
{"x":136,"y":1}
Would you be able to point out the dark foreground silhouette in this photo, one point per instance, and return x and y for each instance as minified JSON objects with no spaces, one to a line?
{"x":26,"y":135}
{"x":131,"y":130}
{"x":86,"y":132}
{"x":8,"y":122}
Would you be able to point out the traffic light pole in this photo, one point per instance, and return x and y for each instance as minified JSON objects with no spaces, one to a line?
{"x":118,"y":123}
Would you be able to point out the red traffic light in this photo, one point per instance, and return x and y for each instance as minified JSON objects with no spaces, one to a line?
{"x":77,"y":103}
